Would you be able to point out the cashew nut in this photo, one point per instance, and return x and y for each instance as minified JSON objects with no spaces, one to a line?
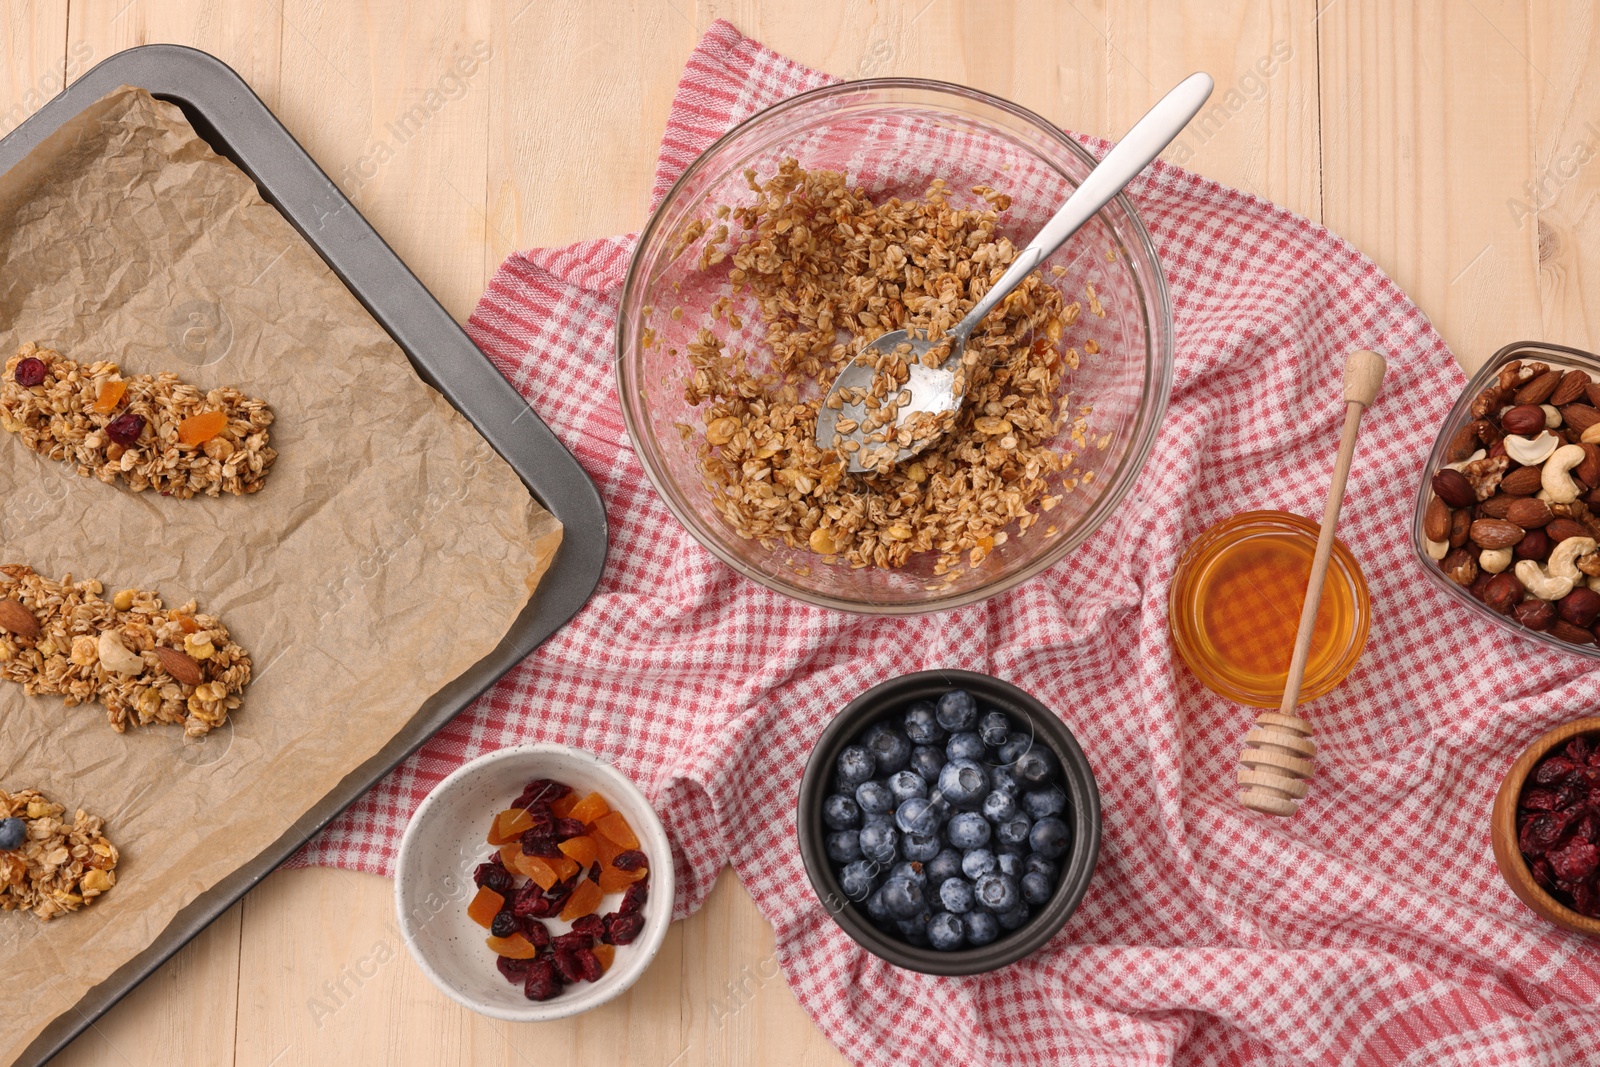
{"x":1438,"y":550}
{"x":1555,"y":479}
{"x":1494,"y":560}
{"x":1552,"y":418}
{"x":116,"y":658}
{"x":1591,"y":436}
{"x":1531,"y":450}
{"x":1479,"y":454}
{"x":1540,"y":584}
{"x":1563,"y":561}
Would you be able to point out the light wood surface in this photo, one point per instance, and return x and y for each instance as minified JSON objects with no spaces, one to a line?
{"x":1457,"y":143}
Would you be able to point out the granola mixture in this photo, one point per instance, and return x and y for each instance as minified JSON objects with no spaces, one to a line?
{"x":62,"y":866}
{"x":143,"y":662}
{"x":153,"y":432}
{"x":820,"y":258}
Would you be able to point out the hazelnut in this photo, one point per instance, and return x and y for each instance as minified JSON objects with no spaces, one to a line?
{"x":1524,"y":419}
{"x":1535,"y":614}
{"x":1503,"y":593}
{"x":1460,"y":567}
{"x":1535,"y":544}
{"x":1454,"y":488}
{"x":1580,"y":607}
{"x":1460,"y":527}
{"x":1560,"y":529}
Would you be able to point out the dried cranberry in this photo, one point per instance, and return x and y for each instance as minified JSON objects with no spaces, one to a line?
{"x":588,"y":965}
{"x":1571,"y":794}
{"x":567,"y":966}
{"x":569,"y":828}
{"x":543,"y":790}
{"x":29,"y":373}
{"x":526,"y":901}
{"x":505,"y":924}
{"x":594,"y":871}
{"x":1576,"y":861}
{"x":514,"y":970}
{"x":557,"y":894}
{"x":540,"y":843}
{"x":572,"y":940}
{"x":1577,"y":749}
{"x":1585,"y":900}
{"x":1539,"y":800}
{"x":1542,"y":873}
{"x":1553,"y":770}
{"x":630,"y":860}
{"x":494,"y":877}
{"x":542,"y":982}
{"x":621,"y":929}
{"x":125,"y":429}
{"x":544,"y":907}
{"x":1543,"y":832}
{"x":633,"y":898}
{"x":536,"y":932}
{"x":593,"y":925}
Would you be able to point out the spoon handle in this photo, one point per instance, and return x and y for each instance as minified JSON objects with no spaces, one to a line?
{"x":1122,"y":164}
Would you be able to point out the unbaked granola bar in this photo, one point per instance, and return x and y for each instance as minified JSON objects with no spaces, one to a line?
{"x":62,"y":866}
{"x":145,"y":663}
{"x":151,"y":431}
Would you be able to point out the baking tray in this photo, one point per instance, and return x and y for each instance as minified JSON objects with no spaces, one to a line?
{"x":233,"y":120}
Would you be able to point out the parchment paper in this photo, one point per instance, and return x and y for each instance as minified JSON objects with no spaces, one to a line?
{"x":390,"y":549}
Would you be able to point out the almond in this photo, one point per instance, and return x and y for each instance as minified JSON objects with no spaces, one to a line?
{"x":1592,"y":391}
{"x":1496,"y":533}
{"x":1460,"y":525}
{"x":1496,"y":507}
{"x":1539,"y":388}
{"x":1463,"y":443}
{"x":1561,"y":529}
{"x":1524,"y":481}
{"x":1580,"y":417}
{"x":1567,"y":632}
{"x":16,"y":619}
{"x":1588,"y":472}
{"x":1574,"y":384}
{"x":1529,"y":512}
{"x":180,"y":665}
{"x":1436,"y":520}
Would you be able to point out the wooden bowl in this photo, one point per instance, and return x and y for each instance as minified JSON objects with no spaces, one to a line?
{"x":1503,"y":831}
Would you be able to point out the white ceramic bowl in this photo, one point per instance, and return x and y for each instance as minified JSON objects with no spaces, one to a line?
{"x":443,"y":845}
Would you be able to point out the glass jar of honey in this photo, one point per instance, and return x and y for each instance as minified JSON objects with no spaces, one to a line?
{"x":1235,"y":605}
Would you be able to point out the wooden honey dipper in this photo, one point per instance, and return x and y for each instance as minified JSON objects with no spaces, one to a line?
{"x":1278,"y":751}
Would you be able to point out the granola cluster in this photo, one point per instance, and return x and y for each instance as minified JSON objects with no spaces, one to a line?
{"x":824,"y":262}
{"x":150,"y":431}
{"x":145,"y":663}
{"x":61,"y":866}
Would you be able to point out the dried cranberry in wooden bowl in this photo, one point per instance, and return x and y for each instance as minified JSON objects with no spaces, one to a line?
{"x":1541,"y":777}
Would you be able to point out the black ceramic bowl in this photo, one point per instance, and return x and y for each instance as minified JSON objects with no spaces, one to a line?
{"x":890,"y":699}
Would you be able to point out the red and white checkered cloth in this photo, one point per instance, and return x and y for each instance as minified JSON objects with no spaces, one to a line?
{"x":1371,"y":928}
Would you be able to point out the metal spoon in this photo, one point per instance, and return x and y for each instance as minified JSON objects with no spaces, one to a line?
{"x":933,"y":389}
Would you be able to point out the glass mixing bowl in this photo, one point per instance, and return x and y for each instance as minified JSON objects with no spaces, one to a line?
{"x":893,"y":137}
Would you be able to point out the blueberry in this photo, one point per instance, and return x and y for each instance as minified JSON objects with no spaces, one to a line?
{"x":1035,"y":862}
{"x":922,"y":724}
{"x":994,"y":728}
{"x":891,"y":749}
{"x":1050,"y":837}
{"x":505,"y":924}
{"x":946,"y":932}
{"x":965,"y":745}
{"x":903,"y":898}
{"x":856,"y":765}
{"x":920,"y":847}
{"x":876,"y":910}
{"x":858,"y":880}
{"x":1016,"y":918}
{"x":957,"y":711}
{"x":1036,"y":766}
{"x":977,"y":863}
{"x":882,"y":820}
{"x":841,"y":813}
{"x":1036,"y":888}
{"x":1039,"y":803}
{"x":928,"y":762}
{"x":997,"y":892}
{"x":1009,"y":864}
{"x":13,"y":832}
{"x":903,"y":785}
{"x":880,"y":845}
{"x":1014,"y":831}
{"x":968,"y":830}
{"x":1004,"y":780}
{"x":998,"y":806}
{"x":844,"y":846}
{"x":915,"y":929}
{"x":1015,"y":746}
{"x":981,"y":927}
{"x":874,"y":798}
{"x":918,"y":815}
{"x":963,"y":783}
{"x":943,"y":867}
{"x":955,"y":894}
{"x":911,"y":871}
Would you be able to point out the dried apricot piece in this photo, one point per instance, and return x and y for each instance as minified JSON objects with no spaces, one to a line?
{"x":613,"y":880}
{"x":509,"y":826}
{"x":584,"y":899}
{"x":509,"y":853}
{"x":605,"y":954}
{"x":485,"y":906}
{"x":564,"y":866}
{"x":614,"y":826}
{"x":562,"y":808}
{"x":111,"y":394}
{"x":198,"y":429}
{"x":539,"y":870}
{"x":588,"y":809}
{"x":581,"y":849}
{"x":606,"y":849}
{"x":516,"y":947}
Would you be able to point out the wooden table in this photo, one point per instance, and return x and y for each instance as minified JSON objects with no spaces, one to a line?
{"x":1454,"y":143}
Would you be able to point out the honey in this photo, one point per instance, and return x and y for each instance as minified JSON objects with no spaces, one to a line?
{"x":1235,"y":605}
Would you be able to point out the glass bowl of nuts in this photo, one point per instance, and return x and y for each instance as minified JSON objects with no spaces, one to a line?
{"x":1508,"y":513}
{"x":826,"y":221}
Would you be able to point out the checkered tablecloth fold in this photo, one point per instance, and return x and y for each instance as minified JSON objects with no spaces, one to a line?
{"x":1371,"y":929}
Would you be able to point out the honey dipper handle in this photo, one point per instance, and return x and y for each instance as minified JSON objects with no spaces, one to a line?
{"x":1280,"y":747}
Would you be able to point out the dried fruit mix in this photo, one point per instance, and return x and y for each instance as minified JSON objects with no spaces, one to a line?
{"x":1558,"y":828}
